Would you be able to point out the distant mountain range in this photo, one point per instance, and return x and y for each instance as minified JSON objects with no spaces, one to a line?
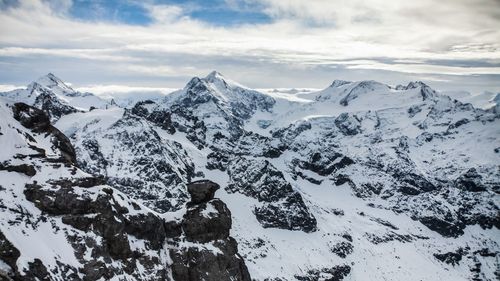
{"x":357,"y":181}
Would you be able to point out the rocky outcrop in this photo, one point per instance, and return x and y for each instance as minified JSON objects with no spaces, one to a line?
{"x":207,"y":221}
{"x":26,"y":169}
{"x":51,"y":105}
{"x":37,"y":121}
{"x":348,"y":124}
{"x":202,"y":191}
{"x":160,"y":117}
{"x":470,"y":181}
{"x":282,"y":207}
{"x":89,"y":231}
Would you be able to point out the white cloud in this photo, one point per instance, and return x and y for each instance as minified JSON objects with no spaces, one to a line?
{"x":6,"y":88}
{"x":305,"y":35}
{"x":108,"y":90}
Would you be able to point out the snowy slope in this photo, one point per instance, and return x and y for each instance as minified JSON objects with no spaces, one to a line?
{"x":60,"y":223}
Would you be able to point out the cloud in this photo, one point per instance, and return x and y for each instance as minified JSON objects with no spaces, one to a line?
{"x":309,"y":41}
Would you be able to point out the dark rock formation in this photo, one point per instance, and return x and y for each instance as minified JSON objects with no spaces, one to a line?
{"x":52,"y":106}
{"x":160,"y":117}
{"x":348,"y":124}
{"x":207,"y":221}
{"x":336,"y":273}
{"x":470,"y":181}
{"x":282,"y":206}
{"x":8,"y":254}
{"x":342,"y":249}
{"x":26,"y":169}
{"x":202,"y":191}
{"x":452,"y":258}
{"x":36,"y":120}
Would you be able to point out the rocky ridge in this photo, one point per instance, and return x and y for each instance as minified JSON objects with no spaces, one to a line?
{"x":60,"y":223}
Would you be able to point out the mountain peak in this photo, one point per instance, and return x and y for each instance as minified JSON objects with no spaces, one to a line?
{"x":215,"y":77}
{"x":337,"y":83}
{"x":416,"y":84}
{"x":50,"y":81}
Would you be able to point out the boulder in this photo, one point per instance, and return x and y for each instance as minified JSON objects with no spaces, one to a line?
{"x":202,"y":191}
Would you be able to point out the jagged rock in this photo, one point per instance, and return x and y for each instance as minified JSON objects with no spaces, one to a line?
{"x":282,"y":206}
{"x":445,"y":228}
{"x":348,"y":124}
{"x":470,"y":181}
{"x":51,"y":105}
{"x":342,"y":249}
{"x":217,"y":160}
{"x":26,"y":169}
{"x":193,"y":264}
{"x":291,"y":214}
{"x":202,"y":191}
{"x":160,"y":117}
{"x":207,"y":221}
{"x":336,"y":273}
{"x":36,"y":120}
{"x":452,"y":258}
{"x":8,"y":253}
{"x":326,"y":163}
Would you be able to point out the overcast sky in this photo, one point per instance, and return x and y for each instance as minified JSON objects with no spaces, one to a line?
{"x":449,"y":44}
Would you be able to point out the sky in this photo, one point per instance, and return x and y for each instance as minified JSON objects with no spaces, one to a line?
{"x":153,"y":44}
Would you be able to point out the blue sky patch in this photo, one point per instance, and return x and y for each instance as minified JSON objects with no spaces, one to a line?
{"x":213,"y":12}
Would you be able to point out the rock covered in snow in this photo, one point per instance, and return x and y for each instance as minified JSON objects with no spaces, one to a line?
{"x":63,"y":224}
{"x":350,"y":173}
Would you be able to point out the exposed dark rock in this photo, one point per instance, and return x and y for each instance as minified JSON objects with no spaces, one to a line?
{"x":342,"y":249}
{"x":290,"y":214}
{"x":173,"y":228}
{"x":81,"y":182}
{"x":202,"y":191}
{"x":336,"y":273}
{"x":26,"y":169}
{"x":48,"y":102}
{"x":414,"y":110}
{"x":160,"y":117}
{"x":325,"y":164}
{"x":58,"y":201}
{"x":348,"y":124}
{"x":470,"y":181}
{"x":387,"y":237}
{"x":412,"y":183}
{"x":207,"y":221}
{"x":36,"y":271}
{"x":445,"y":228}
{"x":452,"y":258}
{"x":282,"y":206}
{"x":36,"y":120}
{"x":217,"y":161}
{"x":148,"y":227}
{"x":8,"y":253}
{"x":194,"y":264}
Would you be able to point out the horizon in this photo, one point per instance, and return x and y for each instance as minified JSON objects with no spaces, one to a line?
{"x":262,"y":44}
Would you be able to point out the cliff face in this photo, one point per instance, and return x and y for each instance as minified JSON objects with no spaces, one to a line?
{"x":207,"y":222}
{"x":59,"y":223}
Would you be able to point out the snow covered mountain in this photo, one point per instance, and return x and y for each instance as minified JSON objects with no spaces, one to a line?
{"x":60,"y":223}
{"x":53,"y":96}
{"x":358,"y":181}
